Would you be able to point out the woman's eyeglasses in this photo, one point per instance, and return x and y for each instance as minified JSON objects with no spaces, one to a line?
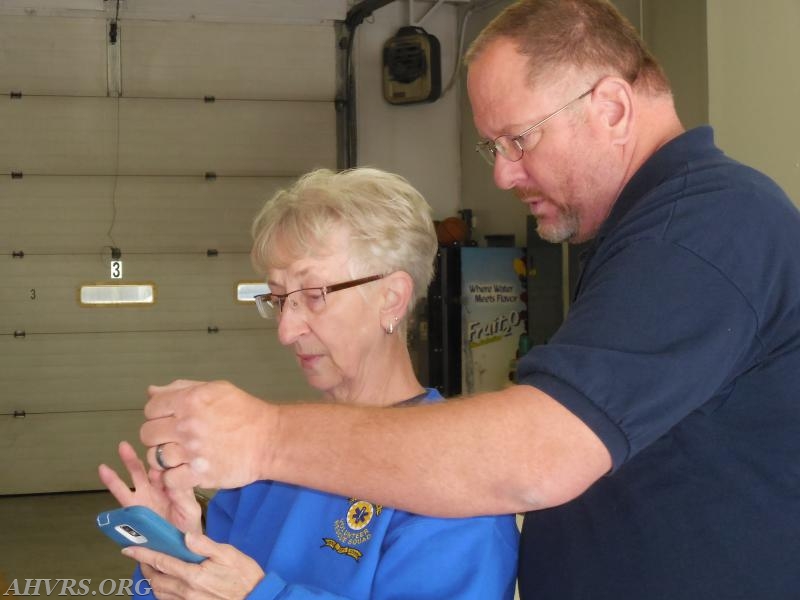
{"x":312,"y":299}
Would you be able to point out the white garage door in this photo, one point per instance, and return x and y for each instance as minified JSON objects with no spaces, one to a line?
{"x":163,"y":145}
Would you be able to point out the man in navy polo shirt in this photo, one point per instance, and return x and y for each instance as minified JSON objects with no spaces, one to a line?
{"x":655,"y":441}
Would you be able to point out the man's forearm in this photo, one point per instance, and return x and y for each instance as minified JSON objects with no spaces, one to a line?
{"x":495,"y":453}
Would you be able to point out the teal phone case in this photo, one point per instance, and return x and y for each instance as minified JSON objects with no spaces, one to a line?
{"x":140,"y":526}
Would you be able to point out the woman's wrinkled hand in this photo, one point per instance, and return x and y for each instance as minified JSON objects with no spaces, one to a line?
{"x":227,"y":573}
{"x":178,"y":506}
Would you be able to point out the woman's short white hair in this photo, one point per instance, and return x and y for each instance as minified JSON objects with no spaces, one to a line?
{"x":388,"y":222}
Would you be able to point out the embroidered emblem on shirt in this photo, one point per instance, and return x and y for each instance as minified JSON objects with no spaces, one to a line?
{"x":359,"y":515}
{"x":353,"y":529}
{"x":334,"y":545}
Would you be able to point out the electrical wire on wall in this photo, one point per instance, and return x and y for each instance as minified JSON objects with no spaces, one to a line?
{"x":110,"y":232}
{"x":472,"y":7}
{"x":113,"y":37}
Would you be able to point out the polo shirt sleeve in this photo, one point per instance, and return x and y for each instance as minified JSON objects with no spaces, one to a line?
{"x":656,"y":333}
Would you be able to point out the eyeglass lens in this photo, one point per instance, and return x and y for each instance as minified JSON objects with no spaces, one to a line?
{"x":311,"y":299}
{"x":510,"y":146}
{"x":506,"y":146}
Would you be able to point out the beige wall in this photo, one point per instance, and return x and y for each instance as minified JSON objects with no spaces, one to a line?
{"x":754,"y":85}
{"x":418,"y":141}
{"x":675,"y":31}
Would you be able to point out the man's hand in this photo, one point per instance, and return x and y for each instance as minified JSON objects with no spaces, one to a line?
{"x":212,"y":435}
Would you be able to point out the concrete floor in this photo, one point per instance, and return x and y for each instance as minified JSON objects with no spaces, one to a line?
{"x":54,"y":536}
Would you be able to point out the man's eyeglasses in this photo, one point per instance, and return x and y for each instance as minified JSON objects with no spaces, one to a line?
{"x":510,"y":146}
{"x":311,"y":299}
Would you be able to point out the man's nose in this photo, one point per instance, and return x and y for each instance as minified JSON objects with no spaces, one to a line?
{"x":507,"y":174}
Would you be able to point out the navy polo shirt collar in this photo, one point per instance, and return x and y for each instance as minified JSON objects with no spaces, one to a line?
{"x":690,"y":145}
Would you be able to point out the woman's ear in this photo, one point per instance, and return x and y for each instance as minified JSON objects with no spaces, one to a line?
{"x":613,"y":103}
{"x":398,"y":292}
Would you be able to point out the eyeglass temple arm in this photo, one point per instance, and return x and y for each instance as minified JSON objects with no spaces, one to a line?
{"x":348,"y":284}
{"x":490,"y":144}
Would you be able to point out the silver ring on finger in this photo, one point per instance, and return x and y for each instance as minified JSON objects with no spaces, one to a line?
{"x":160,"y":457}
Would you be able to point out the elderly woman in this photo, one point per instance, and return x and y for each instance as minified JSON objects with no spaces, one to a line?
{"x":346,"y":257}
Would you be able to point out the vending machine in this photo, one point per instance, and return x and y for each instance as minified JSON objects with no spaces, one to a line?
{"x":476,"y":316}
{"x":486,"y":307}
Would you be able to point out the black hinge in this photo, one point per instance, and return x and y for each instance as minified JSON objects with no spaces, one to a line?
{"x":213,"y":329}
{"x":19,"y":333}
{"x":19,"y":414}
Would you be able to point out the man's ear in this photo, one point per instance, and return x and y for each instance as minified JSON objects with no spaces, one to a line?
{"x":613,"y":103}
{"x":398,"y":292}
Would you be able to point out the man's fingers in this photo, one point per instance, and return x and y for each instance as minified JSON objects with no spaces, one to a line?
{"x":161,"y":401}
{"x":182,"y":477}
{"x":166,"y":456}
{"x":178,"y":384}
{"x":157,"y":431}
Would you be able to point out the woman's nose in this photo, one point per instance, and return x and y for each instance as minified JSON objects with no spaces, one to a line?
{"x":291,"y":324}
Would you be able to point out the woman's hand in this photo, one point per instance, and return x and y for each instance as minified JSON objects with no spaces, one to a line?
{"x":177,"y":506}
{"x":227,"y":573}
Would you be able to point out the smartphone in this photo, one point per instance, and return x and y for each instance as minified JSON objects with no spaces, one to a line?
{"x":140,"y":526}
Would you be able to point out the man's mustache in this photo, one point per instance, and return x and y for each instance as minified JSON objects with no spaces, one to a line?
{"x":522,"y":193}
